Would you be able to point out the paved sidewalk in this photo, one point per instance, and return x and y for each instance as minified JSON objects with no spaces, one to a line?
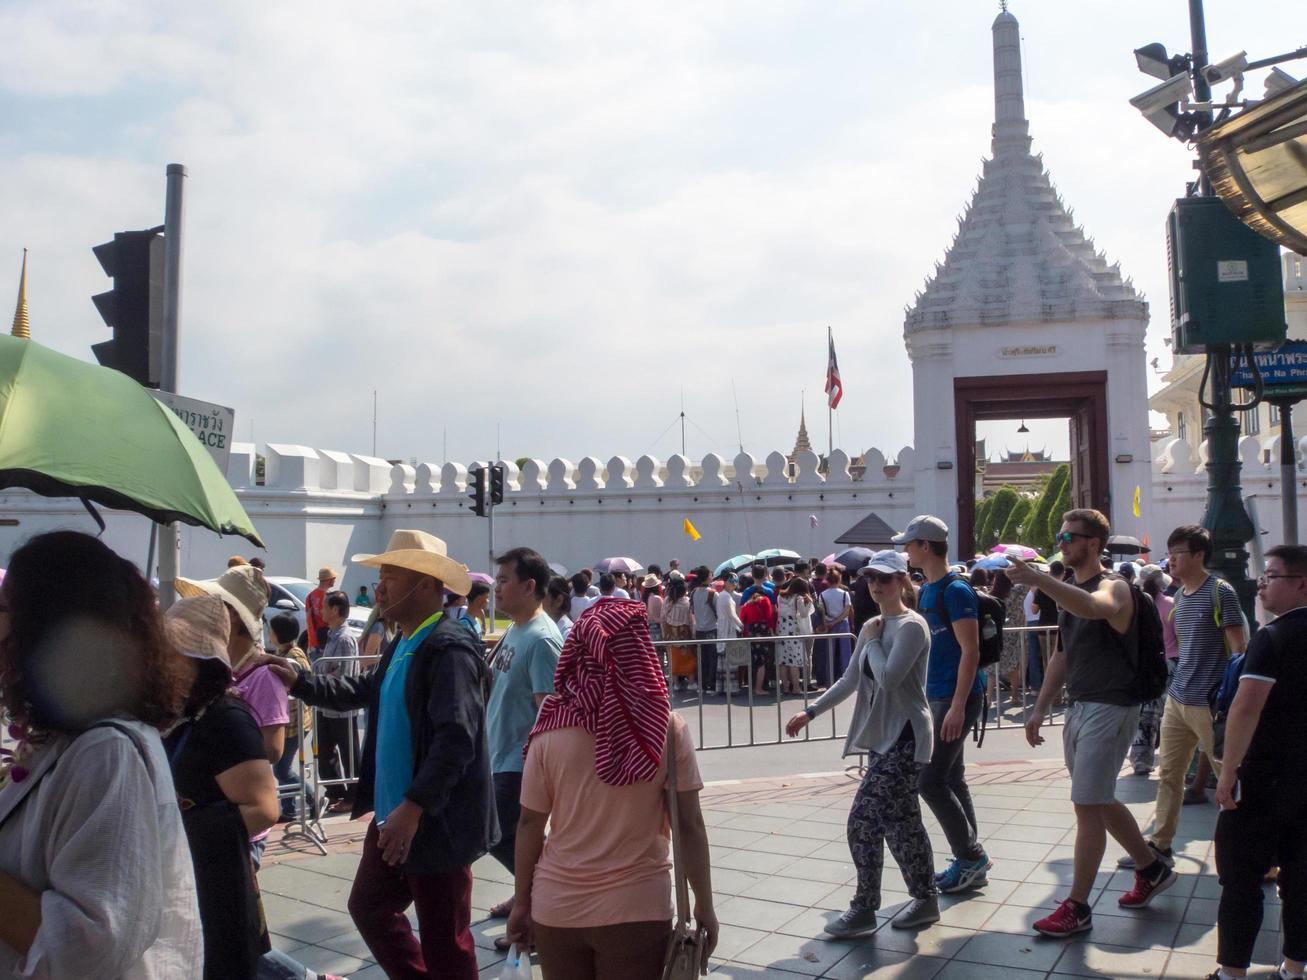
{"x":781,"y":871}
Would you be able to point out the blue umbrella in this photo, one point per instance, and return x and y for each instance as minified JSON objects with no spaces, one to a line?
{"x":733,"y":564}
{"x":777,"y":556}
{"x":992,"y":562}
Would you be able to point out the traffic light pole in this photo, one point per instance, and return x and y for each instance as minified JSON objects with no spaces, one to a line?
{"x":169,"y":370}
{"x":490,"y":565}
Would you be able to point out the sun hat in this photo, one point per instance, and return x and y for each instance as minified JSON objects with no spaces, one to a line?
{"x":326,"y":572}
{"x":889,"y":561}
{"x":199,"y":628}
{"x":923,"y":527}
{"x":651,"y":582}
{"x":242,"y":587}
{"x":421,"y":552}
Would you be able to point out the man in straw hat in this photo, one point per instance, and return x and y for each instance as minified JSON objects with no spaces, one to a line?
{"x":425,"y":767}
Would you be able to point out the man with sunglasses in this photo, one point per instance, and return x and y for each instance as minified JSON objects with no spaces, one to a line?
{"x":1097,"y":660}
{"x":955,"y":689}
{"x":1262,"y":791}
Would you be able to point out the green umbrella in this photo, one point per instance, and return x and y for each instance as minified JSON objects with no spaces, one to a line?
{"x":73,"y":429}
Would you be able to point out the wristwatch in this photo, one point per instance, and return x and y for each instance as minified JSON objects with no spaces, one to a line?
{"x":810,"y":712}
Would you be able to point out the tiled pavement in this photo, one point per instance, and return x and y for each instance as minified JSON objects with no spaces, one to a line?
{"x":781,"y":870}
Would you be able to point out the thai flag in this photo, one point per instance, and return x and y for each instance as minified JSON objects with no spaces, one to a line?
{"x":834,"y":387}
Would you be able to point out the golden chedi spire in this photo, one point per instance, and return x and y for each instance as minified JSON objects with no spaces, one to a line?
{"x":22,"y":325}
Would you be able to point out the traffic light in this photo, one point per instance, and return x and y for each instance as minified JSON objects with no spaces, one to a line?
{"x":134,"y":307}
{"x":497,"y":473}
{"x":476,"y":489}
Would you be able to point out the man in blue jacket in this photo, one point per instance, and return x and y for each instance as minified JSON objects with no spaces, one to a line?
{"x":425,"y":767}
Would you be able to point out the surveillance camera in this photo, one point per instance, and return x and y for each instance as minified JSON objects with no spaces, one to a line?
{"x":1279,"y":81}
{"x":1225,"y":70}
{"x":1158,"y":104}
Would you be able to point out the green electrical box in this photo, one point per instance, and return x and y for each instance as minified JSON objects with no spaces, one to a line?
{"x":1227,"y":286}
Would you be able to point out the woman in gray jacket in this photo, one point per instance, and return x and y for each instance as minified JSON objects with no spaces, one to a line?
{"x":891,"y":724}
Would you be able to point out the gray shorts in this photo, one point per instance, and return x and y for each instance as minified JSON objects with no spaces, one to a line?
{"x":1095,"y":740}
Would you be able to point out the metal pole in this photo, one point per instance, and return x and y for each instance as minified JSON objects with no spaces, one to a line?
{"x":374,"y":423}
{"x":170,"y":565}
{"x":1288,"y":473}
{"x":490,"y":565}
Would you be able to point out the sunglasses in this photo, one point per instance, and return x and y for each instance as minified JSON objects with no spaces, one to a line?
{"x":1066,"y":537}
{"x":882,"y":578}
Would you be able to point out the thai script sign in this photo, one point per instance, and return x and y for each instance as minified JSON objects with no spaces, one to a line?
{"x":213,"y":425}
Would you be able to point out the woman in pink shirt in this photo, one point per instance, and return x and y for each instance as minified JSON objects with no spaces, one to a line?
{"x":596,"y":897}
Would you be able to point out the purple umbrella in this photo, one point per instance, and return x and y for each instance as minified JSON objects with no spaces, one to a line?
{"x":628,"y":566}
{"x":481,"y":577}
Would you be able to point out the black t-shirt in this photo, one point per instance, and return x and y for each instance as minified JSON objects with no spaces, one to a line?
{"x":1047,"y":607}
{"x":224,"y":735}
{"x":1276,"y":751}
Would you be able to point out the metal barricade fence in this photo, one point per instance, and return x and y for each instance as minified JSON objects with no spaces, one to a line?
{"x":716,"y":721}
{"x":735,"y":718}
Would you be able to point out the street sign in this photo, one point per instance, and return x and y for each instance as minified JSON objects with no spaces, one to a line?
{"x":213,"y":425}
{"x":1283,"y":371}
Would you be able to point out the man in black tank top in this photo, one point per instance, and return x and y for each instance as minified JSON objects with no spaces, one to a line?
{"x":1097,"y":661}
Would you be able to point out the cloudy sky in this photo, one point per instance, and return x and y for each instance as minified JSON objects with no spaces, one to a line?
{"x":555,"y":220}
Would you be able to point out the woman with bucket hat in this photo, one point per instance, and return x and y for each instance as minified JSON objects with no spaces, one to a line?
{"x":424,"y":769}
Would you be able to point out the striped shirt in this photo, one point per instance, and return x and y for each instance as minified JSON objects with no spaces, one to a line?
{"x":1203,"y":655}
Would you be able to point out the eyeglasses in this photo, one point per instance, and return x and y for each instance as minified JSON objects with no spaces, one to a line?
{"x":1264,"y":580}
{"x":882,"y":578}
{"x":1066,"y":537}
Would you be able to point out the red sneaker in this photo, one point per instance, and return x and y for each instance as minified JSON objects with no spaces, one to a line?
{"x":1071,"y":917}
{"x":1146,"y":889}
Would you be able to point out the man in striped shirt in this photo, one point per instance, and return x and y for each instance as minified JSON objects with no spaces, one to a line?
{"x":1210,"y":628}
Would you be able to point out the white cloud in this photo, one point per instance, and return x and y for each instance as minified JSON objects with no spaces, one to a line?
{"x":555,"y":216}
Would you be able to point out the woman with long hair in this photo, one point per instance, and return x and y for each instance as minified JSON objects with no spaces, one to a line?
{"x":95,"y":875}
{"x":794,"y":614}
{"x":891,"y":725}
{"x":595,"y":898}
{"x":678,"y":625}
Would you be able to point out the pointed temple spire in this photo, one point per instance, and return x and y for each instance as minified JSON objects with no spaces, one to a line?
{"x":1018,"y":255}
{"x":22,"y":325}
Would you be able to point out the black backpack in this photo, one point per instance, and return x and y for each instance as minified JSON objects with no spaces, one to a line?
{"x":992,"y":616}
{"x":1150,"y":671}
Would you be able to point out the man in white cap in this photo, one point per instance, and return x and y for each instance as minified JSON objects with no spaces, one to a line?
{"x":425,"y":766}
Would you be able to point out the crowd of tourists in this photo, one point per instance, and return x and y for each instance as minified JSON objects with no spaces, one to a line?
{"x":553,"y":746}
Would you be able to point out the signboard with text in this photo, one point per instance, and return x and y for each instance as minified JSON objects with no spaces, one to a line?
{"x":213,"y":425}
{"x":1283,"y":371}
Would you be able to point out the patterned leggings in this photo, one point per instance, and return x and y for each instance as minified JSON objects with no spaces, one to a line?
{"x":886,"y":809}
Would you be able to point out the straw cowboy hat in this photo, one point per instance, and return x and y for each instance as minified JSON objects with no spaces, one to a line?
{"x":242,"y":587}
{"x":199,"y":628}
{"x":421,"y":552}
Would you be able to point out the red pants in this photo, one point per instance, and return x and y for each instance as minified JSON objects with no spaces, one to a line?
{"x":380,"y":897}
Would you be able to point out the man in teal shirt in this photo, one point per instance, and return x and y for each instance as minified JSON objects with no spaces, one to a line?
{"x":522,"y":672}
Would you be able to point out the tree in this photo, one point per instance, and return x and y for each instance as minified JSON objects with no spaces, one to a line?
{"x":996,"y":519}
{"x":1037,"y":534}
{"x":1011,"y":530}
{"x":1060,"y":489}
{"x":983,"y":509}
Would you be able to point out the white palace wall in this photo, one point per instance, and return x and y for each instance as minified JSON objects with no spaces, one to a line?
{"x":318,"y":507}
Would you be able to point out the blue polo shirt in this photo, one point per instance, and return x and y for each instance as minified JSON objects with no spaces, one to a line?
{"x":394,"y":730}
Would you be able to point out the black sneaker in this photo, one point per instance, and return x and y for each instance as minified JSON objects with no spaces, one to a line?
{"x":917,"y":913}
{"x":1167,"y":857}
{"x":854,"y":922}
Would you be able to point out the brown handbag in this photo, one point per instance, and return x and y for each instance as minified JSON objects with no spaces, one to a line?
{"x":684,"y":948}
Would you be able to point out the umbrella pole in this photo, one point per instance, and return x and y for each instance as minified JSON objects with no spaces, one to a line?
{"x":149,"y":552}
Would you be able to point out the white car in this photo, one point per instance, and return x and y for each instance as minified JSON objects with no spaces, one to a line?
{"x":289,"y":595}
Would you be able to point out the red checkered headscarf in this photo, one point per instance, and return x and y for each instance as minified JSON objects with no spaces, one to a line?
{"x":609,"y":681}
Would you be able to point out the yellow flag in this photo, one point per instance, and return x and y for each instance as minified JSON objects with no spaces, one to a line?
{"x":691,"y":530}
{"x":1135,"y":508}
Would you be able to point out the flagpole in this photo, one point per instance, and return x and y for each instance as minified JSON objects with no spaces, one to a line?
{"x":830,"y":411}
